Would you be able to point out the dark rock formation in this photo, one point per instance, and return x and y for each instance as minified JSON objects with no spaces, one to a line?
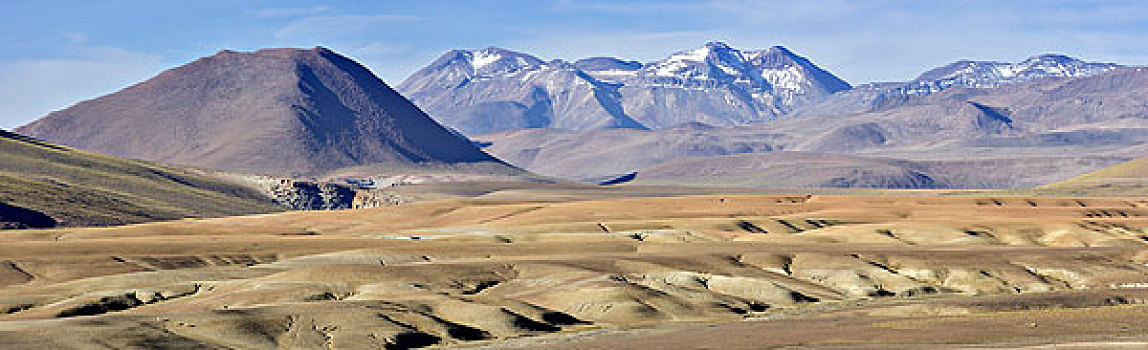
{"x":13,"y":217}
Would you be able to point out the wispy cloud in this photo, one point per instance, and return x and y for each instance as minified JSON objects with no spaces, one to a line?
{"x":671,"y":35}
{"x":381,"y":49}
{"x":327,"y":26}
{"x":287,"y":11}
{"x":390,"y":61}
{"x":625,"y":8}
{"x":75,"y":38}
{"x":792,"y":10}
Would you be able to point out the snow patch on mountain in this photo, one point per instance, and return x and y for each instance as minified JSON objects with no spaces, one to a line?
{"x":785,"y":79}
{"x":484,"y":58}
{"x":493,"y":61}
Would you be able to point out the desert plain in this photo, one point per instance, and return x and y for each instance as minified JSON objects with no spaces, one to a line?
{"x":586,"y":267}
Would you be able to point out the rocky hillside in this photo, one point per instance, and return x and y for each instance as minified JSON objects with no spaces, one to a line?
{"x":46,"y":185}
{"x":278,"y":111}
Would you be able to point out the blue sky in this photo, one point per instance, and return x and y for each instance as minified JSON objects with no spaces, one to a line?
{"x":56,"y":53}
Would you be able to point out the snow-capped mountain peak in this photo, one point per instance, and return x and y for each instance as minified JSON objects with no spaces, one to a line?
{"x":991,"y":74}
{"x":775,"y":73}
{"x":493,"y":60}
{"x":775,"y":57}
{"x":1061,"y":65}
{"x":706,"y":62}
{"x":482,"y":62}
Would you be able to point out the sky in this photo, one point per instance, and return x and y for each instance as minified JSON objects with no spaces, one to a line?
{"x":56,"y":53}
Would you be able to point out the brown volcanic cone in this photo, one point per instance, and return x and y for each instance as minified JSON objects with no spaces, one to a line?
{"x":274,"y":110}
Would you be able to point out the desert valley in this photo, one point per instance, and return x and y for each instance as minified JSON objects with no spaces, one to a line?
{"x":717,"y":198}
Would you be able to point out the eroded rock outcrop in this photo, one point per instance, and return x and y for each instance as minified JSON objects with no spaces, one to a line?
{"x":310,"y":195}
{"x":306,"y":195}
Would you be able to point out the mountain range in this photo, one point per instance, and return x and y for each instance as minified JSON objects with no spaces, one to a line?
{"x":493,"y":90}
{"x":1013,"y":136}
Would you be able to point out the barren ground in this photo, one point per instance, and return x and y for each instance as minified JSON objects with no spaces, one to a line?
{"x":577,"y":268}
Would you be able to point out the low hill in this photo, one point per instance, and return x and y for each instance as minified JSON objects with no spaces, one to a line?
{"x":789,"y":170}
{"x":822,"y":170}
{"x":79,"y":188}
{"x":1125,"y":179}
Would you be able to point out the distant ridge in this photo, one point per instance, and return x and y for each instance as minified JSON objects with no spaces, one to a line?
{"x":966,"y":74}
{"x":275,"y":111}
